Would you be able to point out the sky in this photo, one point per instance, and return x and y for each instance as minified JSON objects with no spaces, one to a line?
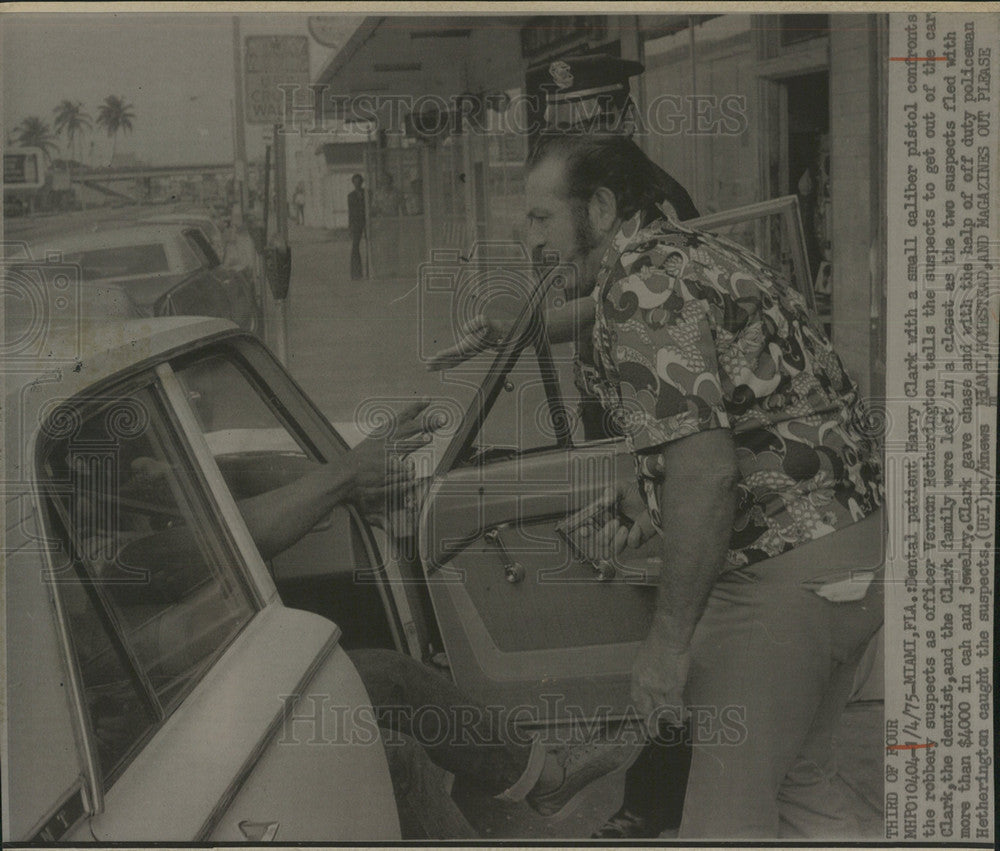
{"x":175,"y":69}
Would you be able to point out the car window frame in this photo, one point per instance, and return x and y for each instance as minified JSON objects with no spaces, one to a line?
{"x":202,"y":244}
{"x":220,"y":519}
{"x":528,"y":331}
{"x":296,"y":410}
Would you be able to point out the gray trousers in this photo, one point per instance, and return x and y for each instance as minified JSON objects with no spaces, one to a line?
{"x":773,"y":666}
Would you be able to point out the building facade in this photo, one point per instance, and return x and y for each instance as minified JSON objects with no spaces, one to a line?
{"x":741,"y":109}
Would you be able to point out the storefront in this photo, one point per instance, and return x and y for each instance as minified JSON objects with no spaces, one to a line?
{"x":811,"y":90}
{"x":741,"y":109}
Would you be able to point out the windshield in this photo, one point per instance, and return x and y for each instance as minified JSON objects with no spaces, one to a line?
{"x":121,"y":261}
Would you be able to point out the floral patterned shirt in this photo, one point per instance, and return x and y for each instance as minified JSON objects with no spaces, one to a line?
{"x":692,"y":332}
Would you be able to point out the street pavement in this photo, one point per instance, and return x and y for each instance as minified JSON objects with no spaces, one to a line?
{"x":353,"y":341}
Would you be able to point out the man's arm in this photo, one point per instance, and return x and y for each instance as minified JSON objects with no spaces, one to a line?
{"x":279,"y":518}
{"x":276,"y":519}
{"x":697,"y":502}
{"x":562,"y":325}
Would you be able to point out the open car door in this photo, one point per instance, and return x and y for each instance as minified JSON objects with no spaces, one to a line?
{"x":525,"y":622}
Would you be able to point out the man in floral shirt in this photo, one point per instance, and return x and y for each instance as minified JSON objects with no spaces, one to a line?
{"x":694,"y":333}
{"x":757,"y":468}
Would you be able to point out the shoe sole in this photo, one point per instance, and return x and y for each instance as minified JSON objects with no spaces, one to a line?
{"x":567,"y":809}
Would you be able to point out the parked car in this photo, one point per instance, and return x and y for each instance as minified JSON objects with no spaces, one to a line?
{"x":167,"y":269}
{"x":192,"y":218}
{"x":231,"y":246}
{"x":168,"y":697}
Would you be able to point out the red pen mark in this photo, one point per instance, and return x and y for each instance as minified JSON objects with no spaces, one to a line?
{"x":910,"y":747}
{"x":918,"y":58}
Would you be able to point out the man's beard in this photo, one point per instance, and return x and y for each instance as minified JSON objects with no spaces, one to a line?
{"x":585,"y":243}
{"x":585,"y":238}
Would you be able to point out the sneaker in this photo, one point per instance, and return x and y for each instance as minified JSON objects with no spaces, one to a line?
{"x":626,"y":825}
{"x":582,"y":764}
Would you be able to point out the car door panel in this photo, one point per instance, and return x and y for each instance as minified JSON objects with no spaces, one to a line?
{"x":357,"y":791}
{"x":519,"y":615}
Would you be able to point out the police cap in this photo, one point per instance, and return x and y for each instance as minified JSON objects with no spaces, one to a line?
{"x":580,"y":90}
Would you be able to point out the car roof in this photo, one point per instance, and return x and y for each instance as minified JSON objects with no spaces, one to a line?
{"x":179,"y":218}
{"x":115,"y":236}
{"x":82,"y":357}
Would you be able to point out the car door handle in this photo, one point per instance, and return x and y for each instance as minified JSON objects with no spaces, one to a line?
{"x":513,"y":572}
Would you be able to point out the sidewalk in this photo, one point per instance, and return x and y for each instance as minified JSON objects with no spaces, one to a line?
{"x":355,"y":341}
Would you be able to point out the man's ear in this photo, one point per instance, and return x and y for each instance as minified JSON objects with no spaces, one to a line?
{"x":603,"y":210}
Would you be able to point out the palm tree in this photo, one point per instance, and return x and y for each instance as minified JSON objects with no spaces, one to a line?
{"x":32,"y":132}
{"x":72,"y":119}
{"x":115,"y":115}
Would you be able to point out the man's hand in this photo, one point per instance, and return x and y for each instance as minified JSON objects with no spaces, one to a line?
{"x":659,"y":674}
{"x":475,"y":336}
{"x":378,"y":466}
{"x":613,"y":538}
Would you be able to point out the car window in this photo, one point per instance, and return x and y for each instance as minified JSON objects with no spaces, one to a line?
{"x":202,"y":247}
{"x":152,"y":597}
{"x":588,"y":420}
{"x":120,"y":713}
{"x":520,"y":419}
{"x":198,"y":295}
{"x":121,"y":261}
{"x":255,"y":450}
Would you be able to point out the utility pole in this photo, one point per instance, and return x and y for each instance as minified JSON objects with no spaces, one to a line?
{"x":279,"y":240}
{"x":239,"y":130}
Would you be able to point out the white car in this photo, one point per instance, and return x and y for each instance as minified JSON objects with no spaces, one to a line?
{"x":156,"y":690}
{"x":168,"y":269}
{"x":192,"y":218}
{"x":159,"y":685}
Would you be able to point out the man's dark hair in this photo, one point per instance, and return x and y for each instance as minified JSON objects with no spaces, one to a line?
{"x":613,"y":161}
{"x":356,"y":177}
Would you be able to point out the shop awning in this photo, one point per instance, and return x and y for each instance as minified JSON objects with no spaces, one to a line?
{"x":410,"y":58}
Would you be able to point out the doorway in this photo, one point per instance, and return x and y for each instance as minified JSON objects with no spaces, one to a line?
{"x":808,"y":104}
{"x":798,"y":158}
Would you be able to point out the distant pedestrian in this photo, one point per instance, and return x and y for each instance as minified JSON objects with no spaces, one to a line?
{"x":299,"y":202}
{"x":356,"y":224}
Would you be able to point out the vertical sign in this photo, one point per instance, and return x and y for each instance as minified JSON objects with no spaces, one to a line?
{"x":271,"y":62}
